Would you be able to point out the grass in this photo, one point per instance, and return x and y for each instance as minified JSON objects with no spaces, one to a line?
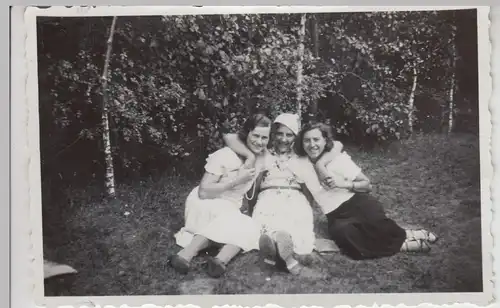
{"x":430,"y":181}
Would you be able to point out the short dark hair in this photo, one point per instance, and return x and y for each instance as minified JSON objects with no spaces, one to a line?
{"x":256,"y":120}
{"x":325,"y":130}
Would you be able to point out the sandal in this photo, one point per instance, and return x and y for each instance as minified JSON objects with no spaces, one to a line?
{"x":422,"y":234}
{"x":179,"y":264}
{"x":416,"y":246}
{"x":268,"y":249}
{"x":215,"y":267}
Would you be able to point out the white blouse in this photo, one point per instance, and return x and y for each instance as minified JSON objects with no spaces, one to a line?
{"x":327,"y":198}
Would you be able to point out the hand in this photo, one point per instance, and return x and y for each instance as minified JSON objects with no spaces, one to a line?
{"x":249,"y":162}
{"x":245,"y":175}
{"x":337,"y":182}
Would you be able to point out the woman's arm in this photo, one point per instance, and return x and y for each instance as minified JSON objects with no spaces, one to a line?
{"x":360,"y":184}
{"x":211,"y":188}
{"x":320,"y":165}
{"x":239,"y":147}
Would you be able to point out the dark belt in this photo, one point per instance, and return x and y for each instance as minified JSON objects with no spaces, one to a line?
{"x":281,"y":187}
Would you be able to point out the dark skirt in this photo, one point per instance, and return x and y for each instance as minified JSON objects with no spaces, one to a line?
{"x":362,"y":230}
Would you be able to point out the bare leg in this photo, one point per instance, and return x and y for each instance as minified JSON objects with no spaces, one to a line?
{"x":217,"y":265}
{"x":197,"y":244}
{"x":227,"y":253}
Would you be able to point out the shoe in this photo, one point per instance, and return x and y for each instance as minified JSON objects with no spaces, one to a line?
{"x":180,"y":264}
{"x":284,"y":244}
{"x":422,"y":234}
{"x":268,"y":250}
{"x":215,"y":267}
{"x":416,"y":246}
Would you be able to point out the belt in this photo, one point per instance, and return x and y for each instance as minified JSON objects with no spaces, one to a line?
{"x":281,"y":187}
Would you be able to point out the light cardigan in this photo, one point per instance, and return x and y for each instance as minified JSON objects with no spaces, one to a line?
{"x":327,"y":198}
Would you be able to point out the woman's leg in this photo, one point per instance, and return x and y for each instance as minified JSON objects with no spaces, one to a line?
{"x":181,"y":260}
{"x":361,"y":229}
{"x":198,"y":243}
{"x":217,"y":265}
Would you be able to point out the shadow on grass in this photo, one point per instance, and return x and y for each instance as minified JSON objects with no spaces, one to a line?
{"x":121,"y":248}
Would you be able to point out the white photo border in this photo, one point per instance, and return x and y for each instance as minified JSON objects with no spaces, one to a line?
{"x":27,"y":137}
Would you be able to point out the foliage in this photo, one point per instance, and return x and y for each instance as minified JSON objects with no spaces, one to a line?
{"x":175,"y":80}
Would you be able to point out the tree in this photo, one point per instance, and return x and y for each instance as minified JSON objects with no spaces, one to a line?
{"x":110,"y":174}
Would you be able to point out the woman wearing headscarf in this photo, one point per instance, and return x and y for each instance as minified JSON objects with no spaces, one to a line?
{"x":279,"y":202}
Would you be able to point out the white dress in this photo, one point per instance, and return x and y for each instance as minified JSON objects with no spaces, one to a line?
{"x":288,"y":210}
{"x":221,"y":219}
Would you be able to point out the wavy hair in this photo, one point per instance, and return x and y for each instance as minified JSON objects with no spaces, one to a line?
{"x":256,"y":120}
{"x":325,"y":130}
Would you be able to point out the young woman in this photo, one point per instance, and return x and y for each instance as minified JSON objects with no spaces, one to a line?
{"x":213,"y":209}
{"x":356,"y":220}
{"x":279,"y":203}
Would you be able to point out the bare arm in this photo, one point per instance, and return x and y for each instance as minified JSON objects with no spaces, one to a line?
{"x":360,"y":184}
{"x":211,"y":188}
{"x":320,"y":165}
{"x":239,"y":147}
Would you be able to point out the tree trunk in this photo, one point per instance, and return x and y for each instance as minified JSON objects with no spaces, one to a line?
{"x":451,"y":93}
{"x":313,"y":114}
{"x":110,"y":174}
{"x":411,"y":99}
{"x":302,"y":31}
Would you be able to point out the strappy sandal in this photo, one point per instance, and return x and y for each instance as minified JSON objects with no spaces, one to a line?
{"x":423,"y":234}
{"x":416,"y":246}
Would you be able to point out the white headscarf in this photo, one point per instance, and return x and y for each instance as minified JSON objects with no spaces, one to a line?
{"x":290,"y":120}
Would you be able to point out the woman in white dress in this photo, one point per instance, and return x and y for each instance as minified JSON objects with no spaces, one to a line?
{"x":213,"y":209}
{"x":280,"y":203}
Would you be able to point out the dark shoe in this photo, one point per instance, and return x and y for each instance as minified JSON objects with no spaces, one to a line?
{"x":268,"y":250}
{"x":215,"y":267}
{"x":180,"y":264}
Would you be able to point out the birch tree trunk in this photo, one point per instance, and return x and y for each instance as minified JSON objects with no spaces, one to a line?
{"x":315,"y":40}
{"x":110,"y":174}
{"x":411,"y":99}
{"x":451,"y":93}
{"x":302,"y":31}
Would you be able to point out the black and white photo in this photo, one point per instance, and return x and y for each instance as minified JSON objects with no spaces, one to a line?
{"x":260,"y":151}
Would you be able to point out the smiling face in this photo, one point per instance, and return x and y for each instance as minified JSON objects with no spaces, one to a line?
{"x":258,"y":139}
{"x":283,"y":139}
{"x":314,"y":143}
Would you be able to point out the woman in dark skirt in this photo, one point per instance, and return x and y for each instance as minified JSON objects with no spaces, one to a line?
{"x":356,"y":220}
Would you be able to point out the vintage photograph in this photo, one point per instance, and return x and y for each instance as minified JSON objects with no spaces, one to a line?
{"x":314,"y":152}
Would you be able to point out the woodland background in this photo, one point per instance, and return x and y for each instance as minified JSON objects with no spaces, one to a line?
{"x":130,"y":107}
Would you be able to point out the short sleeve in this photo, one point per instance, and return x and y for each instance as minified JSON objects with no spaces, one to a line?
{"x":344,"y":166}
{"x":221,"y":161}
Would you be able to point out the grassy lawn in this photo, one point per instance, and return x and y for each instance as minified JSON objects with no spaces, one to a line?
{"x":121,"y":248}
